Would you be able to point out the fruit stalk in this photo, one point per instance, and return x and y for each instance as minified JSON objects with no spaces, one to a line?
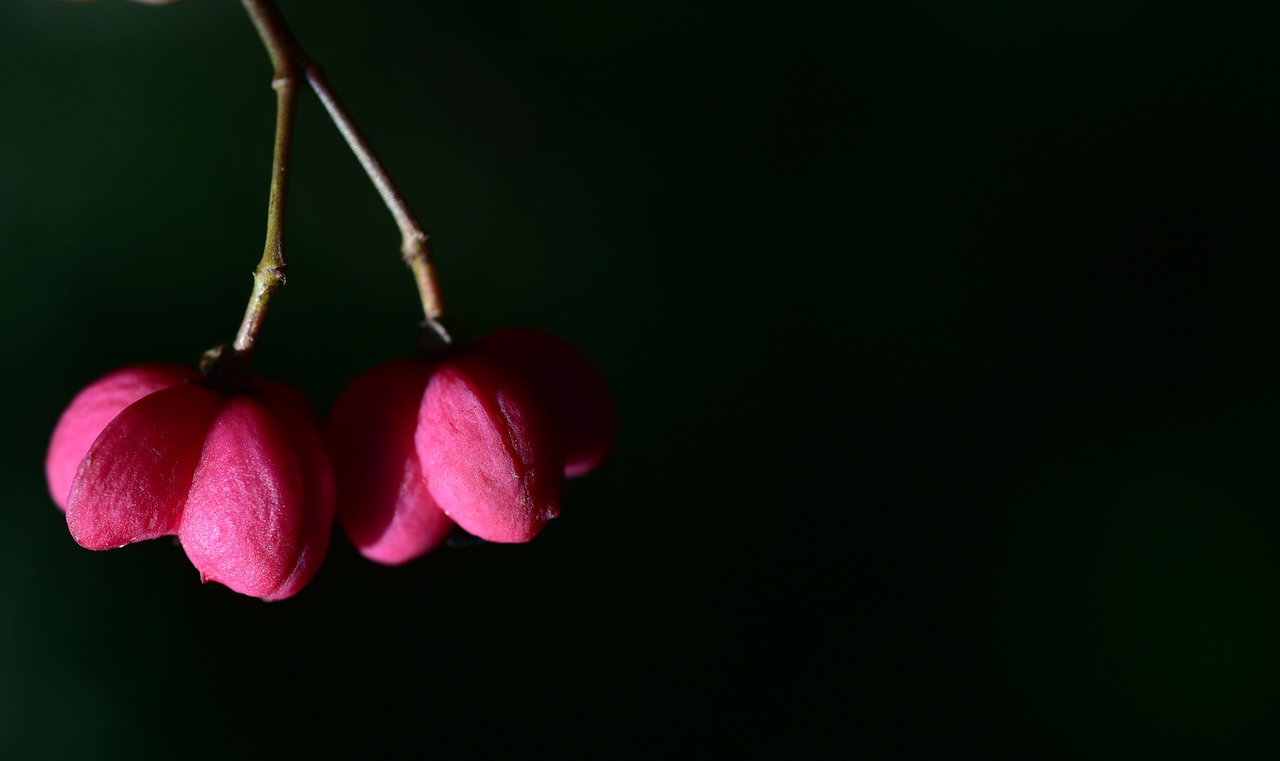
{"x":415,"y":244}
{"x":270,"y":273}
{"x":289,"y":58}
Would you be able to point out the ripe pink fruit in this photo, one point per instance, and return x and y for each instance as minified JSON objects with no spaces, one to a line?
{"x":490,"y":451}
{"x":480,"y":437}
{"x":417,"y":447}
{"x":92,"y":409}
{"x":383,"y":503}
{"x":572,"y":388}
{"x":243,"y":481}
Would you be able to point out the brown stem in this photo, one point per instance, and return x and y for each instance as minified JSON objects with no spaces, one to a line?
{"x":415,"y":244}
{"x":270,"y":273}
{"x":288,"y":57}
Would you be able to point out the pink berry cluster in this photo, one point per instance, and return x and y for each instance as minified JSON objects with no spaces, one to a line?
{"x":241,"y":470}
{"x":243,"y":476}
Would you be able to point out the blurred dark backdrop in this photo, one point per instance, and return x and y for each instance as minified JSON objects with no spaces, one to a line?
{"x":943,"y":340}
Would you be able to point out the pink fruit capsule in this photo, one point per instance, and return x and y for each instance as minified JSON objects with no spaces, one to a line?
{"x":383,"y":502}
{"x":491,"y":454}
{"x":90,"y":412}
{"x":132,"y":483}
{"x":243,"y":481}
{"x":573,"y":389}
{"x":479,"y":437}
{"x":260,"y":507}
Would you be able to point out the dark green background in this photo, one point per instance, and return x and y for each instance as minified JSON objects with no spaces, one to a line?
{"x":943,"y":337}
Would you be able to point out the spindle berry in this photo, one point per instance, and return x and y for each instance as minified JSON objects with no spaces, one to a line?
{"x":482,"y":438}
{"x":243,"y":479}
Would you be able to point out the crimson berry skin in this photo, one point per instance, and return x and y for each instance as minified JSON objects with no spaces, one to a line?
{"x":384,"y":506}
{"x":490,"y":450}
{"x":243,"y":481}
{"x":419,"y":446}
{"x":482,"y":438}
{"x":90,"y":412}
{"x":571,"y":386}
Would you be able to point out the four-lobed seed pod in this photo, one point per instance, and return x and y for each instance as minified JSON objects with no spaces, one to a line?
{"x":238,"y":471}
{"x":243,"y":480}
{"x":482,"y":438}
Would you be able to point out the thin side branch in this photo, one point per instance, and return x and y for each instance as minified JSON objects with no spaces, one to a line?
{"x":415,"y":244}
{"x":288,"y":58}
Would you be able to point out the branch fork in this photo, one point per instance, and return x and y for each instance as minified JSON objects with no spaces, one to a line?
{"x":289,"y":60}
